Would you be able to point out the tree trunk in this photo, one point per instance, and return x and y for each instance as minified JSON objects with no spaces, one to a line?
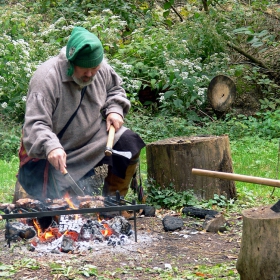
{"x":170,"y":162}
{"x":205,"y":6}
{"x":259,"y":257}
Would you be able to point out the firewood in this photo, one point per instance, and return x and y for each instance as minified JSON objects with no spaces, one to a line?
{"x":4,"y":206}
{"x":91,"y":204}
{"x":89,"y":198}
{"x":29,"y":203}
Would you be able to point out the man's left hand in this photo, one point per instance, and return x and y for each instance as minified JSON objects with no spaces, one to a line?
{"x":114,"y":119}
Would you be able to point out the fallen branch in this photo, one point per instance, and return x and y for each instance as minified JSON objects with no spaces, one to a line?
{"x":177,"y":13}
{"x":253,"y":59}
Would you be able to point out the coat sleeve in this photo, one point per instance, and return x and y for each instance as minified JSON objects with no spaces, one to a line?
{"x":116,"y":101}
{"x":38,"y":136}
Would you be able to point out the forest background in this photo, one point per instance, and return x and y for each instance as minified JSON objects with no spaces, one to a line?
{"x":166,"y":52}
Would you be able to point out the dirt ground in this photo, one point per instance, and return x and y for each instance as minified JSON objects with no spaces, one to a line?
{"x":155,"y":249}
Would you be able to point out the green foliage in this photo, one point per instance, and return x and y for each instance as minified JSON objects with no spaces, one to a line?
{"x":9,"y":270}
{"x":263,"y":124}
{"x":152,"y":128}
{"x":178,"y":62}
{"x":168,"y":197}
{"x":256,"y":39}
{"x":167,"y":61}
{"x":219,"y":201}
{"x":10,"y":134}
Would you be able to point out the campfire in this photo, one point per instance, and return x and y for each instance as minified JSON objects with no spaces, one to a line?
{"x":69,"y":225}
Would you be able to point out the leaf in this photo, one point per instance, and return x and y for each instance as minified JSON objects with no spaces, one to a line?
{"x":257,"y":44}
{"x":6,"y":273}
{"x":243,"y":30}
{"x":178,"y":103}
{"x":167,"y":5}
{"x":153,"y":83}
{"x":165,"y":14}
{"x":168,"y":94}
{"x":263,"y":33}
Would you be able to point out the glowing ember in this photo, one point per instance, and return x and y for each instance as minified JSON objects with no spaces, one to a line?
{"x":107,"y":231}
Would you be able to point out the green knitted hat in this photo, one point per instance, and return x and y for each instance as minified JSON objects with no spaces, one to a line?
{"x":83,"y":49}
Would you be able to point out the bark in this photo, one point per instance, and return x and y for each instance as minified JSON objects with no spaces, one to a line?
{"x":170,"y":162}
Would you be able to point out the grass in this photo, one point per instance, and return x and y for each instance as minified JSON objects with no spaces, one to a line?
{"x":8,"y":171}
{"x":250,"y":156}
{"x":256,"y":157}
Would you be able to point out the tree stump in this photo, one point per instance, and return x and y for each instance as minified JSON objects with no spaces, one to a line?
{"x":221,"y":93}
{"x":170,"y":162}
{"x":259,"y":257}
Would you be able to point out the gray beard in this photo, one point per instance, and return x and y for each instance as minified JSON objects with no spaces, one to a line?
{"x":81,"y":83}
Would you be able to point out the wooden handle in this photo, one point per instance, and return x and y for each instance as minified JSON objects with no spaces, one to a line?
{"x":64,"y":171}
{"x":110,"y":141}
{"x":237,"y":177}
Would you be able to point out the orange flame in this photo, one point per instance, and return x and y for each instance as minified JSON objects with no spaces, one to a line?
{"x":50,"y":233}
{"x":71,"y":204}
{"x":107,"y":231}
{"x":73,"y":234}
{"x":38,"y":228}
{"x":69,"y":201}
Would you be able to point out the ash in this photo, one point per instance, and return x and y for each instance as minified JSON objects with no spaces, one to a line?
{"x":91,"y":236}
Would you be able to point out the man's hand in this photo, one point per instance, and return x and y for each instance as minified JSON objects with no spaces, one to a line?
{"x":115,"y":119}
{"x":57,"y":158}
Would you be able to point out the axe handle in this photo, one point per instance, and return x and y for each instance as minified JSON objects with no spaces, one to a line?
{"x":110,"y":141}
{"x":237,"y":177}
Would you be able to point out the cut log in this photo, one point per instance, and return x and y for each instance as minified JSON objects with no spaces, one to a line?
{"x":259,"y":257}
{"x":198,"y":212}
{"x":170,"y":162}
{"x":221,"y":93}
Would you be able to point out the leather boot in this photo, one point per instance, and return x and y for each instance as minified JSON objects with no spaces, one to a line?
{"x":113,"y":183}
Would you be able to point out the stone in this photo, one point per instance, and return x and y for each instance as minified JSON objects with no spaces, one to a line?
{"x":171,"y":223}
{"x":149,"y":211}
{"x":215,"y":223}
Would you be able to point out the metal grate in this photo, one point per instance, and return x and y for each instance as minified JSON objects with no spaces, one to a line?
{"x":111,"y":204}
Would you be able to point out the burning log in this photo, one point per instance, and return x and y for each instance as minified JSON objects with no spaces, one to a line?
{"x":29,"y":203}
{"x":53,"y":222}
{"x":17,"y":231}
{"x":90,"y":198}
{"x":55,"y":207}
{"x":91,"y":204}
{"x":7,"y":206}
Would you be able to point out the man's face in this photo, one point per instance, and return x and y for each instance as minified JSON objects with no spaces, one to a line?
{"x":84,"y":76}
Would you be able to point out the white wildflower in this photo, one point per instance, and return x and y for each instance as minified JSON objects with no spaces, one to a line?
{"x":184,"y":75}
{"x":161,"y":99}
{"x":172,"y":62}
{"x":4,"y":105}
{"x":107,"y":11}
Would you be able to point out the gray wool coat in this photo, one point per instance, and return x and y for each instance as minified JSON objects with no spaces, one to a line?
{"x":52,"y":99}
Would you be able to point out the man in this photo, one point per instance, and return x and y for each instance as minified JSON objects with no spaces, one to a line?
{"x":54,"y":94}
